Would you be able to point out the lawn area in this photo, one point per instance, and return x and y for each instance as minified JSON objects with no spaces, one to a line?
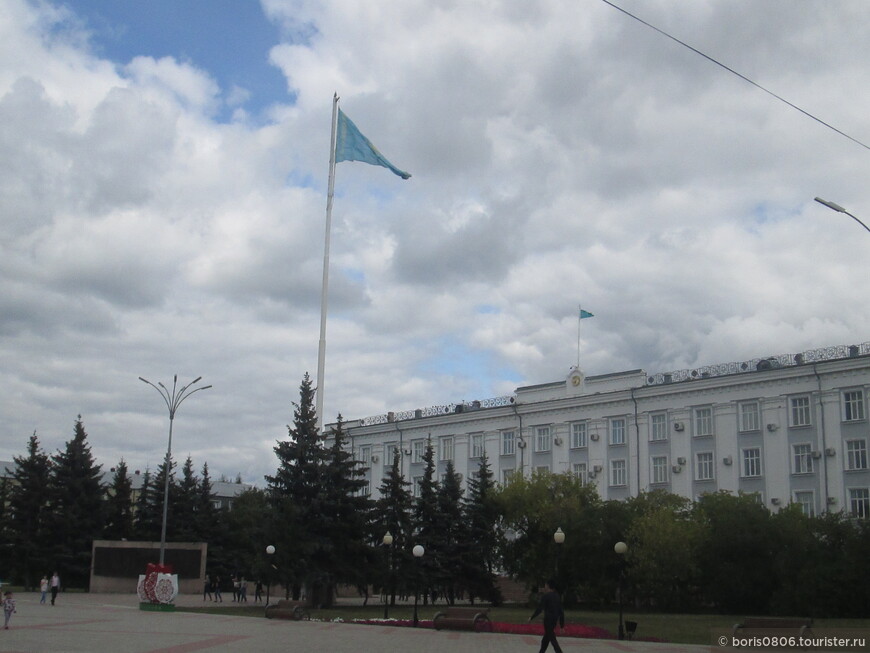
{"x":677,"y":628}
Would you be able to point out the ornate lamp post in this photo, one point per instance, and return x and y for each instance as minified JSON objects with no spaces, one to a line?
{"x":418,"y":552}
{"x":388,"y":543}
{"x":173,"y":401}
{"x":620,"y":548}
{"x":559,"y":539}
{"x":270,"y":551}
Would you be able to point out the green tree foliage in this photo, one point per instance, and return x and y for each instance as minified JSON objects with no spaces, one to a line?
{"x":77,"y":507}
{"x":482,"y":534}
{"x":663,"y":545}
{"x":450,"y":542}
{"x":148,"y":512}
{"x":29,"y":515}
{"x":736,"y":552}
{"x":119,"y":505}
{"x":428,"y":570}
{"x":184,"y":506}
{"x":393,"y":514}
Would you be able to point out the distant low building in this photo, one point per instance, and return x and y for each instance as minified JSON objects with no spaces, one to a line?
{"x":789,"y":429}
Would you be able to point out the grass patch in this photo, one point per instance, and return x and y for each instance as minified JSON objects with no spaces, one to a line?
{"x":675,"y":628}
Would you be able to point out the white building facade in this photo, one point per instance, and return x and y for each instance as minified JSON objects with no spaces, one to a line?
{"x":789,"y":429}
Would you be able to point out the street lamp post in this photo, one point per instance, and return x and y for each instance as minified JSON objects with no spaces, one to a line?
{"x":840,"y":209}
{"x":559,"y":539}
{"x":418,"y":552}
{"x":270,"y":551}
{"x":388,"y":543}
{"x":620,"y":548}
{"x":173,"y":401}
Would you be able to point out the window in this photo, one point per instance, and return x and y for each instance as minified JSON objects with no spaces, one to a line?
{"x":659,"y":466}
{"x":800,"y":411}
{"x":856,"y":454}
{"x":446,"y":448}
{"x":507,"y":476}
{"x":579,"y":432}
{"x":807,"y":502}
{"x":617,"y":473}
{"x":418,"y":450}
{"x":751,"y":462}
{"x":704,"y":421}
{"x":750,"y":416}
{"x":617,"y":430}
{"x":508,"y":443}
{"x":365,"y":490}
{"x":658,"y":427}
{"x":365,"y":455}
{"x":389,"y":454}
{"x":581,"y":472}
{"x":859,"y":502}
{"x":542,"y":469}
{"x":704,"y":469}
{"x":853,"y":405}
{"x":418,"y":481}
{"x":803,"y":458}
{"x":542,"y":438}
{"x":477,"y":445}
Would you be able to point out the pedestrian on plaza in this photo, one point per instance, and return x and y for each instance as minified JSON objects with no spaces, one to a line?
{"x":243,"y":590}
{"x":258,"y":591}
{"x":236,"y":588}
{"x":217,"y":590}
{"x":206,"y":589}
{"x":8,"y":608}
{"x":55,"y":587}
{"x":43,"y":588}
{"x":551,"y":606}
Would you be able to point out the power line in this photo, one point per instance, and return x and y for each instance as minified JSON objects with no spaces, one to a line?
{"x":734,"y":72}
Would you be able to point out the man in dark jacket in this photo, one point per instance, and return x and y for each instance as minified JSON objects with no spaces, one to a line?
{"x":551,"y":606}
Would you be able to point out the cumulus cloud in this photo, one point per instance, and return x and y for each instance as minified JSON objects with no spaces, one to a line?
{"x":561,"y":153}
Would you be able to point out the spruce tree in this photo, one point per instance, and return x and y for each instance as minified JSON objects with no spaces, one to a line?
{"x":427,"y":524}
{"x":185,"y":504}
{"x":157,"y":494}
{"x":344,"y":514}
{"x":148,"y":516}
{"x":77,"y":507}
{"x":119,"y":508}
{"x":449,"y":538}
{"x":393,"y":514}
{"x":296,"y":493}
{"x":481,"y":519}
{"x":28,"y":515}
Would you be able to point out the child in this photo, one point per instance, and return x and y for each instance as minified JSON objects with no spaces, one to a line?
{"x":8,"y":608}
{"x":43,"y":588}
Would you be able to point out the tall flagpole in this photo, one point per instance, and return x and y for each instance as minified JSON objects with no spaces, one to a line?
{"x":321,"y":350}
{"x":579,"y":320}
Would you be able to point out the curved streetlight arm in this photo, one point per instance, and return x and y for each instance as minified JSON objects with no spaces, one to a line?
{"x":164,"y":393}
{"x":839,"y":209}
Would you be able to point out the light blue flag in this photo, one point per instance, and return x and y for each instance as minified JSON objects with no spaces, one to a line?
{"x":585,"y":314}
{"x":351,"y":145}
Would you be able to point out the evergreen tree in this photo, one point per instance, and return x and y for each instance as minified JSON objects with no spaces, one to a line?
{"x":426,"y":525}
{"x":344,"y":514}
{"x":206,"y":514}
{"x":148,"y":515}
{"x":296,"y":493}
{"x":481,"y":535}
{"x":394,"y":510}
{"x":119,"y":509}
{"x":185,"y":504}
{"x":77,"y":507}
{"x":28,"y":514}
{"x":449,"y":539}
{"x":157,"y":499}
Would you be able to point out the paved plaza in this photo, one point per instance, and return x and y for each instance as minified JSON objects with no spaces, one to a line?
{"x":113,"y":623}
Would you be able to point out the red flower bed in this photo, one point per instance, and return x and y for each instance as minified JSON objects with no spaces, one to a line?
{"x":571,"y":630}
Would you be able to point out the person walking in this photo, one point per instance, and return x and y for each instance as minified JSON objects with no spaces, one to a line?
{"x":8,"y":608}
{"x":55,"y":587}
{"x":218,"y":597}
{"x":243,"y":590}
{"x":43,"y":588}
{"x":258,"y":591}
{"x":551,"y":606}
{"x":206,"y":589}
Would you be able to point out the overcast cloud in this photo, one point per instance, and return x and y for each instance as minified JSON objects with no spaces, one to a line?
{"x":154,"y":219}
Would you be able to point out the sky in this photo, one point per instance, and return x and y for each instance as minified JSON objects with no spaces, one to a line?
{"x":163,"y":181}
